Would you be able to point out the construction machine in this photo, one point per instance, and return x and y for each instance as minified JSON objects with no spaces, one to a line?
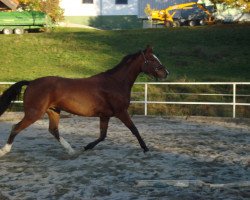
{"x":190,"y":13}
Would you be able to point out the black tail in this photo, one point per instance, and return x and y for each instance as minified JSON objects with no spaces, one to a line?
{"x":10,"y":95}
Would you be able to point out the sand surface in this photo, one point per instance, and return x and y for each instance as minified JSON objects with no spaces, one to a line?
{"x":188,"y":159}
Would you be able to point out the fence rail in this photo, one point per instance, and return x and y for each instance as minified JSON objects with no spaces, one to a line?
{"x":234,"y":103}
{"x":146,"y":102}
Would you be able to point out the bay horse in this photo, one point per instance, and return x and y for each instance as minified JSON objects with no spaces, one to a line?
{"x":104,"y":95}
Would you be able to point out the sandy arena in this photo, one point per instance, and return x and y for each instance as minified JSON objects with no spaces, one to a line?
{"x":188,"y":159}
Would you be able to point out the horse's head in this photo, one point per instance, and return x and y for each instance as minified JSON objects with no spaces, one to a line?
{"x":152,"y":65}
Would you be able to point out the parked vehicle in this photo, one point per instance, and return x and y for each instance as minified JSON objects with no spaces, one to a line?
{"x":196,"y":13}
{"x":189,"y":13}
{"x":19,"y":22}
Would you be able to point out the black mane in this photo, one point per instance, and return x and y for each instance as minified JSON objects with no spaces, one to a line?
{"x":126,"y":59}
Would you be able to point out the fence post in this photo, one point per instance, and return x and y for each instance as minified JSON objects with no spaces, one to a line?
{"x":234,"y":100}
{"x":146,"y":99}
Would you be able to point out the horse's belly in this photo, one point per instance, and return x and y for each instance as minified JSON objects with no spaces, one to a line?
{"x":86,"y":108}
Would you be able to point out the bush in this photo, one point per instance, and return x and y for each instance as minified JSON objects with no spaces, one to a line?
{"x":51,"y":7}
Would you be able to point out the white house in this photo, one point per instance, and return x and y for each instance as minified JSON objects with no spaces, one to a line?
{"x":102,"y":13}
{"x":99,"y":7}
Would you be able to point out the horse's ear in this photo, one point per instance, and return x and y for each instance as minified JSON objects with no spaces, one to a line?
{"x":148,"y":49}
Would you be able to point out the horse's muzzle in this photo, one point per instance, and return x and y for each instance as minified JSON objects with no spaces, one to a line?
{"x":167,"y":73}
{"x":163,"y":73}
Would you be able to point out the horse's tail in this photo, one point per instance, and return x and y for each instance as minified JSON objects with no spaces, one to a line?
{"x":10,"y":95}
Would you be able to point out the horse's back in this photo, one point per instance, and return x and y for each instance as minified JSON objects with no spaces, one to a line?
{"x":94,"y":96}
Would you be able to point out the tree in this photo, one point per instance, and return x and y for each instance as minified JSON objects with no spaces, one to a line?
{"x":243,"y":4}
{"x":51,"y":7}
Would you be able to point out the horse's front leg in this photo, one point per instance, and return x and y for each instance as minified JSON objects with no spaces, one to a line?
{"x":103,"y":133}
{"x":125,"y":118}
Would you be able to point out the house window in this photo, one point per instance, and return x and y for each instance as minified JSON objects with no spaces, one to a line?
{"x":121,"y":1}
{"x":88,"y":1}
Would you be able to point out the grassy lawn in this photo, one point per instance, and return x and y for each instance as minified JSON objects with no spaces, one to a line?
{"x":209,"y":53}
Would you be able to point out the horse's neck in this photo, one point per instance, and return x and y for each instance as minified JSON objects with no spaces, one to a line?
{"x":127,"y":74}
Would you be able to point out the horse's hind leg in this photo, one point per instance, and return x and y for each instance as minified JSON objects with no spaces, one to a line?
{"x":54,"y":117}
{"x":103,"y":133}
{"x":24,"y":123}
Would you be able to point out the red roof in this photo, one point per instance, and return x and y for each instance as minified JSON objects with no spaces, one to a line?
{"x":12,"y":4}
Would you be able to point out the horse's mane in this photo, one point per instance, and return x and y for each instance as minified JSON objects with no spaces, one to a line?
{"x":125,"y":60}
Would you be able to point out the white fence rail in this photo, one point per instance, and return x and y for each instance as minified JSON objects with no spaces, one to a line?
{"x":146,"y":102}
{"x":233,"y":103}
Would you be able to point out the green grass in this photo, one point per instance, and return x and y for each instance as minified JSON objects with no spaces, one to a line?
{"x":210,"y":53}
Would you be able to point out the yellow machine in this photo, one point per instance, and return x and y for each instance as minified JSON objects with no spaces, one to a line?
{"x":167,"y":16}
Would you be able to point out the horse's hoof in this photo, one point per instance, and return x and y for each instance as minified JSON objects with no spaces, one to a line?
{"x":89,"y":146}
{"x":6,"y":149}
{"x":145,"y":149}
{"x":2,"y":153}
{"x":72,"y":152}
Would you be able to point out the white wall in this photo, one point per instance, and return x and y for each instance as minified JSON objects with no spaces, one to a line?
{"x":110,"y":8}
{"x":77,"y":8}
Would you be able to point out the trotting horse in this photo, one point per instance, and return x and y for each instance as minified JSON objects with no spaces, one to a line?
{"x":103,"y":95}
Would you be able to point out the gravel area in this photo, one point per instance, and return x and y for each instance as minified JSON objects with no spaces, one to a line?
{"x":188,"y":159}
